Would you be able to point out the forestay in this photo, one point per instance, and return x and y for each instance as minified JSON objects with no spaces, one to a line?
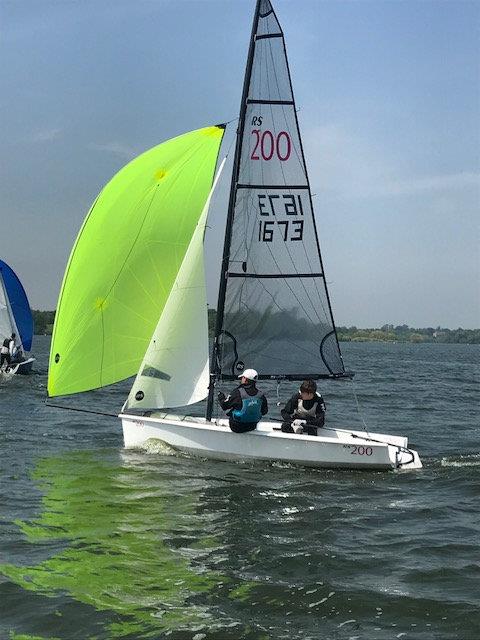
{"x":175,"y":369}
{"x":274,"y":309}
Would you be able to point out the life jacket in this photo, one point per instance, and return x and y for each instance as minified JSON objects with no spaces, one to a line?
{"x":303,"y":414}
{"x":6,"y":342}
{"x":251,"y":410}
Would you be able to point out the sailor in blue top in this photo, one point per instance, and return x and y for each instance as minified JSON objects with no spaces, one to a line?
{"x":246,"y":404}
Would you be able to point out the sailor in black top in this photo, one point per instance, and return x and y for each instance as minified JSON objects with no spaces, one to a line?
{"x":6,"y":351}
{"x":305,"y":411}
{"x":245,"y":405}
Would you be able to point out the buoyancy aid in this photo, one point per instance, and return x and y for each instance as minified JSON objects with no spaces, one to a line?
{"x":251,"y":410}
{"x":303,"y":414}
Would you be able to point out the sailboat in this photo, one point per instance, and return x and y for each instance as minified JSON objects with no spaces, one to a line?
{"x":15,"y":318}
{"x":133,"y":300}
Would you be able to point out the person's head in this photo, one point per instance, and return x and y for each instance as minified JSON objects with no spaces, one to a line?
{"x":13,"y":336}
{"x":308,"y":389}
{"x":249,"y":376}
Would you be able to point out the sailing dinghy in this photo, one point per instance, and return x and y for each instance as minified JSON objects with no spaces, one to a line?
{"x":15,"y":317}
{"x":133,"y":299}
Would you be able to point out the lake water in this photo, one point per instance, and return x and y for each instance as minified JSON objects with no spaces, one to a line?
{"x":97,"y":542}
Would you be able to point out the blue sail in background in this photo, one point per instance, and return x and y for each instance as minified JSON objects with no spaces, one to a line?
{"x":19,"y":305}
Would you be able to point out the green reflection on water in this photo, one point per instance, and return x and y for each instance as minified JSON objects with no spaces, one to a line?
{"x":128,"y":546}
{"x":15,"y":636}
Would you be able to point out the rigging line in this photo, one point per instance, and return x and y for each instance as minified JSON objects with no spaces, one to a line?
{"x":231,"y":142}
{"x":98,"y":413}
{"x":235,"y":218}
{"x":358,"y":406}
{"x":285,"y":181}
{"x":370,"y":439}
{"x":103,"y":348}
{"x":304,"y":169}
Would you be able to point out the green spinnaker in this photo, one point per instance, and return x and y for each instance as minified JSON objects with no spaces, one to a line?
{"x":125,"y":261}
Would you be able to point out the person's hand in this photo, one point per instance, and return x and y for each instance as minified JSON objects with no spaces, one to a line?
{"x":221,"y":396}
{"x":299,"y":423}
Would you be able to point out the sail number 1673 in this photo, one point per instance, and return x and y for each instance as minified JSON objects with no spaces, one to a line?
{"x":275,"y":206}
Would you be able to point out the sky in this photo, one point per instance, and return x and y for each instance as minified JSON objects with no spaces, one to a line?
{"x":388,"y":94}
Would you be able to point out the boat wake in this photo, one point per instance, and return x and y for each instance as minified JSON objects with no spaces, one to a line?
{"x":6,"y":376}
{"x":468,"y":460}
{"x":156,"y":446}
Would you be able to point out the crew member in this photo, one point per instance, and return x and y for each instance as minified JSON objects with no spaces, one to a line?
{"x":6,"y":351}
{"x":305,"y":411}
{"x":246,"y":404}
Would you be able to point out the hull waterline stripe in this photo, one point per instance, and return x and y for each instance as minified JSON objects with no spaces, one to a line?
{"x":98,"y":413}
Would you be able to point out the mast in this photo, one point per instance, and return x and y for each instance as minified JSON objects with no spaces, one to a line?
{"x":231,"y":207}
{"x":273,"y":310}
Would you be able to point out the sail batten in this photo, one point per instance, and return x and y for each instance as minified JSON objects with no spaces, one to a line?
{"x":274,"y":311}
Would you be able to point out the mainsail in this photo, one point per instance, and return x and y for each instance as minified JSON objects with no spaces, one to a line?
{"x":125,"y":261}
{"x":15,"y":314}
{"x":274,"y":312}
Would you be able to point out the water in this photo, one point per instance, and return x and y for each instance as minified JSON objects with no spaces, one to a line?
{"x":98,"y":542}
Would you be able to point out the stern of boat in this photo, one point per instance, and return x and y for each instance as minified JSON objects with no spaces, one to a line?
{"x":405,"y":459}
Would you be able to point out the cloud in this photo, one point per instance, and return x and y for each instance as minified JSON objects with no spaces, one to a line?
{"x":349,"y":166}
{"x":447,"y":182}
{"x":115,"y":148}
{"x":46,"y":135}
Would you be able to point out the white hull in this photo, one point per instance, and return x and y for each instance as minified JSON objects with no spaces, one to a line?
{"x":332,"y":448}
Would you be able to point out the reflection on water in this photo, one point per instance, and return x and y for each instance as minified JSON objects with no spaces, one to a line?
{"x":139,"y":545}
{"x":125,"y":544}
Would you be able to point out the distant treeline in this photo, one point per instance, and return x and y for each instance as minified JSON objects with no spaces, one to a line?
{"x":404,"y":333}
{"x":388,"y":333}
{"x":43,"y":322}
